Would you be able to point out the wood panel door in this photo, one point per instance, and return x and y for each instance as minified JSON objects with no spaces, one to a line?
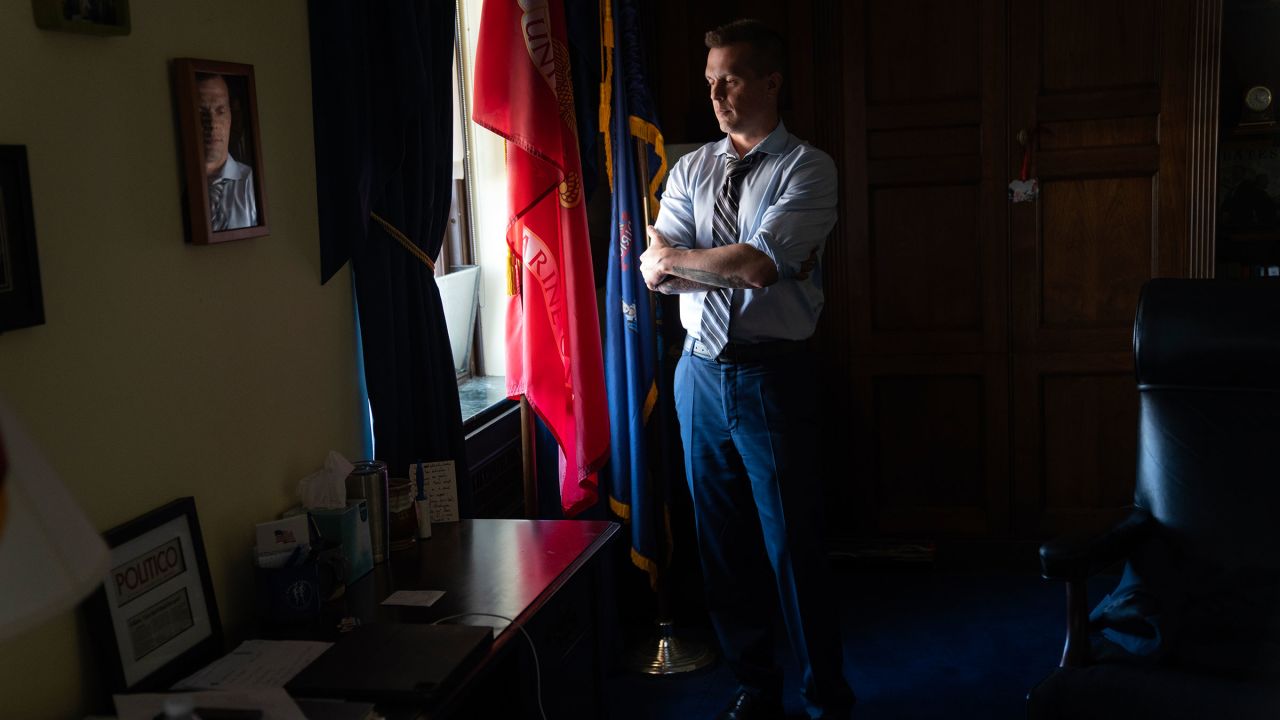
{"x":921,"y":274}
{"x":1104,"y":94}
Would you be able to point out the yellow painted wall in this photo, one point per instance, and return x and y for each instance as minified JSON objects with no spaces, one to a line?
{"x":223,"y":372}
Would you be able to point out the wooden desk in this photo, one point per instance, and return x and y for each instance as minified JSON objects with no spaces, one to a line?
{"x":546,"y":575}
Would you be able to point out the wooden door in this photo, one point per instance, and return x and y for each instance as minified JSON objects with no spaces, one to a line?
{"x":976,"y":355}
{"x":918,"y":272}
{"x":1106,"y":95}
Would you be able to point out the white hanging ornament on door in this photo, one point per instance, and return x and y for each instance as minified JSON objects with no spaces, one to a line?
{"x":1024,"y":189}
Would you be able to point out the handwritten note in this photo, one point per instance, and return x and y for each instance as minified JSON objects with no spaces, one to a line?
{"x":441,"y":488}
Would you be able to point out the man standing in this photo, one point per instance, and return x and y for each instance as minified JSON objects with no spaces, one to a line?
{"x":231,"y":201}
{"x":742,"y":227}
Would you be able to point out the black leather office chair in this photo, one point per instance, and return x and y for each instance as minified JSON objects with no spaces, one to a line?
{"x":1193,"y":629}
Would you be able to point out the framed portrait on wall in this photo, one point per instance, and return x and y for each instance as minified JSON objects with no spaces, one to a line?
{"x":21,"y":301}
{"x":154,"y":619}
{"x":93,"y":17}
{"x":223,"y":180}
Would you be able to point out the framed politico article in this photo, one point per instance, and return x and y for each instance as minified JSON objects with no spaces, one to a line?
{"x":224,"y":187}
{"x":154,"y":620}
{"x":92,"y":17}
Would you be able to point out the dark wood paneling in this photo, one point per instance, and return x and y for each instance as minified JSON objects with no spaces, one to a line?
{"x":678,"y":85}
{"x":1101,"y":87}
{"x":1098,"y":43}
{"x":1075,"y":440}
{"x":924,"y":171}
{"x":1089,"y":452}
{"x":1105,"y":221}
{"x":926,"y":177}
{"x":1100,"y":162}
{"x":926,"y":272}
{"x":925,"y":143}
{"x":1098,"y":132}
{"x":834,"y":340}
{"x":944,"y":113}
{"x":925,"y":282}
{"x":922,"y":50}
{"x":1096,"y":252}
{"x":1118,"y":103}
{"x":1202,"y":136}
{"x":934,"y":444}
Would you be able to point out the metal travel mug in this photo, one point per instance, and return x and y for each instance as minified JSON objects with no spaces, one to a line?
{"x":369,"y":481}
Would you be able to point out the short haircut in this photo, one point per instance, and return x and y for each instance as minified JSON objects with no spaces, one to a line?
{"x":768,"y":49}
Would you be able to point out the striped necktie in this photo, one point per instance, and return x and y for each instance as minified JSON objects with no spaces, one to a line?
{"x":217,"y":208}
{"x":724,"y":231}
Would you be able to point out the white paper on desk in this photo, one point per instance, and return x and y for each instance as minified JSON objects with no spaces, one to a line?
{"x":274,"y":703}
{"x":414,"y":598}
{"x":441,"y":488}
{"x":256,"y":664}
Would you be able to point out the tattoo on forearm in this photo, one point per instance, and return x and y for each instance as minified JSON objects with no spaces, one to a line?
{"x":675,"y":285}
{"x":710,"y":278}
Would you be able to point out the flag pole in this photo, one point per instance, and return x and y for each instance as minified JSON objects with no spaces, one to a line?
{"x":664,"y":654}
{"x":528,"y":455}
{"x":642,"y":165}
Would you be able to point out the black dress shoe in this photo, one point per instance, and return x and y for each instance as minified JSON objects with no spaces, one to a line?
{"x":745,"y":706}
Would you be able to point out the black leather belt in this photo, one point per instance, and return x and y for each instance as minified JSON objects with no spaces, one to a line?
{"x":746,"y":352}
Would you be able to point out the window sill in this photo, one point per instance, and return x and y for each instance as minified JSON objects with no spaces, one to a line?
{"x":481,"y":399}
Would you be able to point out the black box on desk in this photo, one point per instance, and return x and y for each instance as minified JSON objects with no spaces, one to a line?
{"x":348,"y":526}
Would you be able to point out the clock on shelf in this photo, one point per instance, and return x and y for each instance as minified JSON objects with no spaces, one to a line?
{"x":1259,"y":107}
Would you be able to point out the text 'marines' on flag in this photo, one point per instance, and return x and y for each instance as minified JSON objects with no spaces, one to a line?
{"x":637,"y":493}
{"x":523,"y":92}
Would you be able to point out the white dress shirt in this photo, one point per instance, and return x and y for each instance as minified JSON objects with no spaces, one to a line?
{"x":786,"y":209}
{"x":237,"y":198}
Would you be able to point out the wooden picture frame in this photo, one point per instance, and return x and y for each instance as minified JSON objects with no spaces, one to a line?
{"x":217,"y":113}
{"x":21,"y":301}
{"x":154,"y":620}
{"x":92,"y":17}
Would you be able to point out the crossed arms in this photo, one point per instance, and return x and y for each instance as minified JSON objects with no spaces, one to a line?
{"x":792,"y":231}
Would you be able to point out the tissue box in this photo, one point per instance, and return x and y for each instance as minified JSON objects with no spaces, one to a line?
{"x":350,"y":527}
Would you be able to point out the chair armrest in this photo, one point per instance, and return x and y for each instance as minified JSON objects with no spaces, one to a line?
{"x":1077,"y":556}
{"x":1074,"y":558}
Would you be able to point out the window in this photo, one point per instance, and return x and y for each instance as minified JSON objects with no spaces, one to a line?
{"x":472,"y":266}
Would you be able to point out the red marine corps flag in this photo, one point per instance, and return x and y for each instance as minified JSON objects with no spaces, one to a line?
{"x":523,"y":92}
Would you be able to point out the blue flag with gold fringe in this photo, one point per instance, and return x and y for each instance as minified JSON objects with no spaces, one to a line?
{"x":636,"y":163}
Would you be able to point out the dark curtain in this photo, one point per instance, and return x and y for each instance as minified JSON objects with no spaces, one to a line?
{"x":381,"y":77}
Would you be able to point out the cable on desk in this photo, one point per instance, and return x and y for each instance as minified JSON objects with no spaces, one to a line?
{"x":537,"y":668}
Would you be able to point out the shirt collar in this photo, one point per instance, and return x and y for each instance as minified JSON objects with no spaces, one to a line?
{"x":232,"y":170}
{"x":773,"y":144}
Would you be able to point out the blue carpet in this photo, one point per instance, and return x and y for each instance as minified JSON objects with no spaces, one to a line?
{"x":918,"y":644}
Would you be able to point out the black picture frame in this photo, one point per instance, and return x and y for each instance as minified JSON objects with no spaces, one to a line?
{"x":1248,"y":176}
{"x":21,"y":301}
{"x":91,"y":17}
{"x":155,"y":621}
{"x":243,"y":145}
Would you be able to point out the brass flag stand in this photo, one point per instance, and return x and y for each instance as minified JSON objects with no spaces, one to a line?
{"x":663,"y":653}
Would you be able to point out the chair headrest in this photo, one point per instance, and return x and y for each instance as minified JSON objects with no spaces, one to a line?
{"x":1208,"y":333}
